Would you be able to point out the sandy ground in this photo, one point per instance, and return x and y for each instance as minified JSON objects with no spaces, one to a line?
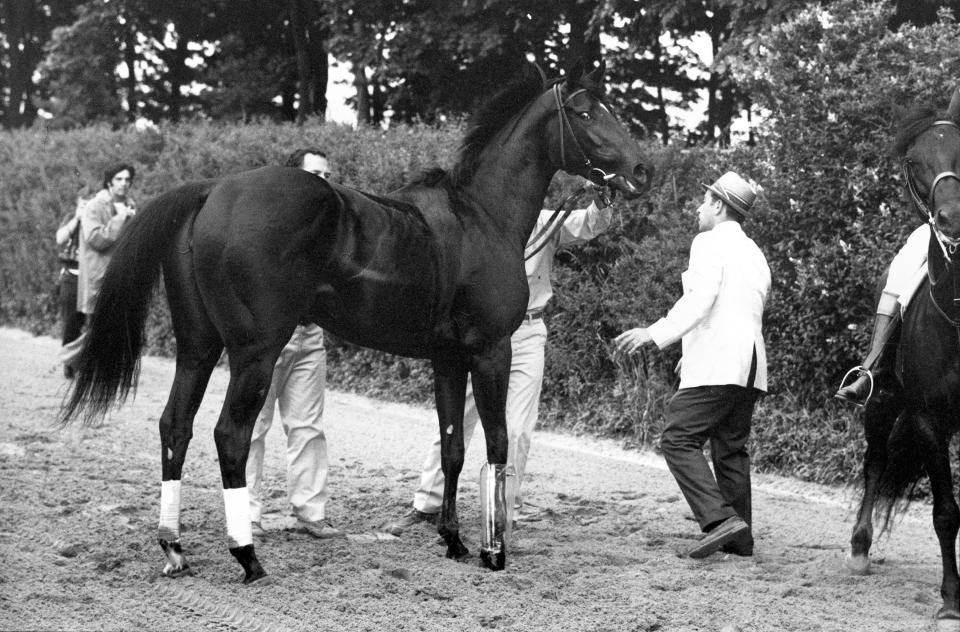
{"x":80,"y":507}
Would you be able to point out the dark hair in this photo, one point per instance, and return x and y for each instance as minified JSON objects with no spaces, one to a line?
{"x":296,"y":158}
{"x":114,"y":169}
{"x":734,"y":214}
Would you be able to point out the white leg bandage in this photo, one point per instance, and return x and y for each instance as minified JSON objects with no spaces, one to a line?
{"x":236,"y":505}
{"x":169,"y":511}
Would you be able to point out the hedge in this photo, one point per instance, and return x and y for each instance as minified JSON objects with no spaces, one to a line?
{"x":829,"y":220}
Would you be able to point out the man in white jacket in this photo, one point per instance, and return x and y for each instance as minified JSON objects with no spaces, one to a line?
{"x":723,"y":368}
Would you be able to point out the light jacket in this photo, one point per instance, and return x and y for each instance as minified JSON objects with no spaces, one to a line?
{"x":720,"y":315}
{"x":100,"y":226}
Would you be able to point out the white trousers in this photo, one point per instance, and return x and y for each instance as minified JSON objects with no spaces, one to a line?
{"x":906,"y":271}
{"x":297,"y":387}
{"x":523,"y":407}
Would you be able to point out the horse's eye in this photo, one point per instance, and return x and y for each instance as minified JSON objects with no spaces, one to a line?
{"x":584,"y":115}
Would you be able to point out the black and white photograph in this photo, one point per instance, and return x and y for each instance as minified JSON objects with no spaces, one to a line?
{"x":525,"y":315}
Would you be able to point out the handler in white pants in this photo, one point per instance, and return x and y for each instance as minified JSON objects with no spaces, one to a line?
{"x":526,"y":367}
{"x":903,"y":278}
{"x":299,"y":379}
{"x":523,"y":406}
{"x":297,"y":387}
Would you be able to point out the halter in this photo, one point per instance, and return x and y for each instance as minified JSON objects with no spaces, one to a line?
{"x":594,"y":174}
{"x":947,"y":244}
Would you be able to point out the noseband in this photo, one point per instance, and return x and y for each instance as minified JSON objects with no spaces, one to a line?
{"x":948,"y":244}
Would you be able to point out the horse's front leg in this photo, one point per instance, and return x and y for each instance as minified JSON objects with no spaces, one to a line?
{"x":249,"y":383}
{"x":878,"y":419}
{"x":934,"y":444}
{"x":491,"y":378}
{"x":450,"y":385}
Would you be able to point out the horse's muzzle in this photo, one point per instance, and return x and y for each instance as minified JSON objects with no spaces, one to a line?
{"x":634,"y":185}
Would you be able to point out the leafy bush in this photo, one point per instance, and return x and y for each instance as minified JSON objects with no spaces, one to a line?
{"x":833,"y":81}
{"x":829,"y":221}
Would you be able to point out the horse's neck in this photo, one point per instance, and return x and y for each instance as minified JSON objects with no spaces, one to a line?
{"x":513,"y":177}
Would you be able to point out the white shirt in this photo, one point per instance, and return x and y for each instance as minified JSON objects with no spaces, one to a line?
{"x":581,"y":225}
{"x":908,"y":262}
{"x":720,"y":315}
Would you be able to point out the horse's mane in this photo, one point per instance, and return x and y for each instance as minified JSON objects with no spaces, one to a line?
{"x":483,"y":126}
{"x":490,"y":118}
{"x":912,"y":123}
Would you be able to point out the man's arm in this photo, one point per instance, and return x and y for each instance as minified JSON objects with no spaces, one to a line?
{"x":702,"y":282}
{"x":99,"y":226}
{"x":585,"y":224}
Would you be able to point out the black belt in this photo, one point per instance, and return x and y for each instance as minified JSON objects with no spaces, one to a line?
{"x":532,"y":315}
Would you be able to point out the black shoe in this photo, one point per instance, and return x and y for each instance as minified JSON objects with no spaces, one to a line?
{"x":858,"y":391}
{"x":742,"y":546}
{"x":409,"y":519}
{"x":726,"y":532}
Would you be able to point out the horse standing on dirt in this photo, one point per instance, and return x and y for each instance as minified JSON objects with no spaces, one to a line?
{"x":434,"y":270}
{"x":909,"y":425}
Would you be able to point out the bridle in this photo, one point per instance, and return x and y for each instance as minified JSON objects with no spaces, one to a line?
{"x":595,"y":175}
{"x":949,"y":245}
{"x":598,"y":177}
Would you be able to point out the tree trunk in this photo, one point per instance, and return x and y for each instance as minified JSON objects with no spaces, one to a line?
{"x":363,"y":96}
{"x":177,"y":64}
{"x":321,"y":77}
{"x":20,"y":19}
{"x":301,"y":45}
{"x":129,"y":59}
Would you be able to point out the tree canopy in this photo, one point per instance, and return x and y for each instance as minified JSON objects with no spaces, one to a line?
{"x":413,"y":60}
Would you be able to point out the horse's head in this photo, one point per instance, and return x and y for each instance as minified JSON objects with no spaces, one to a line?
{"x":929,"y":152}
{"x":586,"y":139}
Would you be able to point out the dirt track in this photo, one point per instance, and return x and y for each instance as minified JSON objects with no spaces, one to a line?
{"x":80,"y":506}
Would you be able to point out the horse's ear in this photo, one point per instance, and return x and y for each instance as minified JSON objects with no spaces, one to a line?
{"x":576,"y":72}
{"x":543,"y":75}
{"x":596,"y":75}
{"x":953,"y":112}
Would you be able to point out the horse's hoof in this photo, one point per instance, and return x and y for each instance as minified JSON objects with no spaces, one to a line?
{"x":173,"y":573}
{"x":858,"y":564}
{"x":455,"y":548}
{"x":945,"y":613}
{"x":458,"y":552}
{"x":257,"y":579}
{"x":494,"y":560}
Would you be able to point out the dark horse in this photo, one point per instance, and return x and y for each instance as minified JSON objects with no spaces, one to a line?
{"x":433,"y":270}
{"x":910,"y":423}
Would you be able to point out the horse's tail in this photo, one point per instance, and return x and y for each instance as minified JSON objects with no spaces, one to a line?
{"x":109,"y":364}
{"x":902,"y":473}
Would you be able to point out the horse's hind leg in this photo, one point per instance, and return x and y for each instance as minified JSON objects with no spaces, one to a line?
{"x":198,"y":349}
{"x":878,"y":419}
{"x":250,"y":373}
{"x":176,"y":430}
{"x":450,"y":385}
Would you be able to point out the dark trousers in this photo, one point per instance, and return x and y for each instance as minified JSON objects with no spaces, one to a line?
{"x":722,"y":415}
{"x":72,"y":319}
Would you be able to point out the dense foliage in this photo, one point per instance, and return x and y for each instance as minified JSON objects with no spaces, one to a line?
{"x":829,"y":220}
